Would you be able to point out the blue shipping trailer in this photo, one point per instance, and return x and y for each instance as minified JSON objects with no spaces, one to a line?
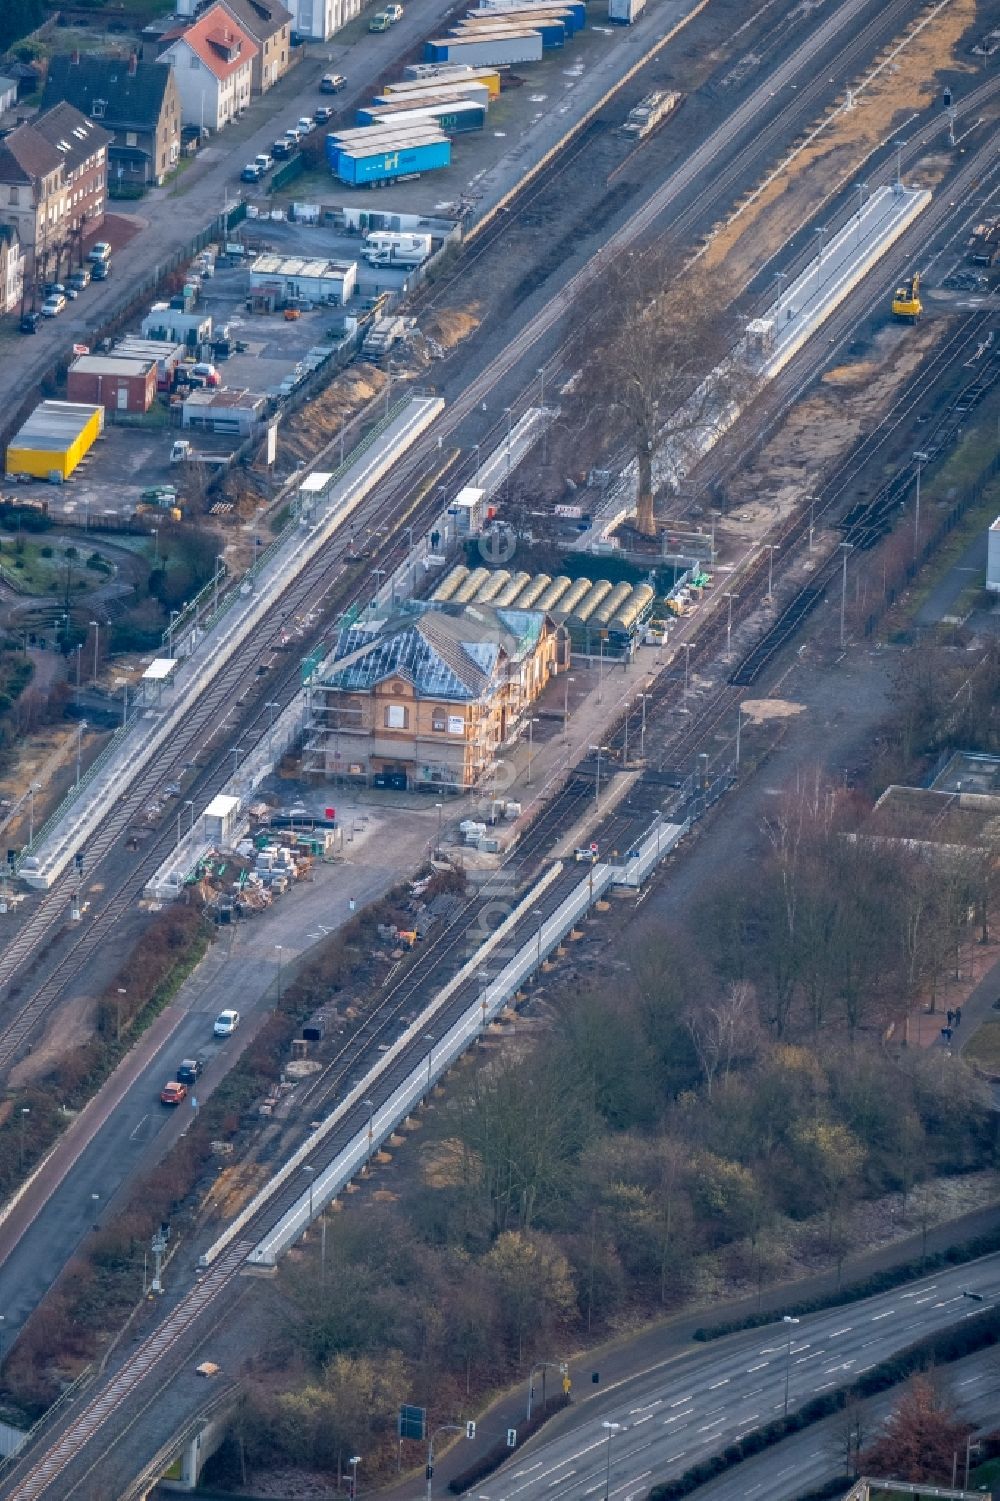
{"x":574,"y":12}
{"x":551,"y":29}
{"x":358,"y":166}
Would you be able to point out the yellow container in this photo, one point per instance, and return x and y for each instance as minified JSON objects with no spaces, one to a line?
{"x":56,"y":436}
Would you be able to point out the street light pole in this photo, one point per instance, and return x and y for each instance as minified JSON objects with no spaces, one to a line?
{"x":612,"y":1429}
{"x":846,"y":548}
{"x":920,"y":459}
{"x":788,"y":1356}
{"x":772,"y":548}
{"x":566,"y":682}
{"x":278,"y":949}
{"x":311,"y":1172}
{"x":687,"y":667}
{"x":97,"y":638}
{"x":354,"y":1461}
{"x":531,"y":747}
{"x":729,"y":625}
{"x":25,"y":1112}
{"x":79,"y":746}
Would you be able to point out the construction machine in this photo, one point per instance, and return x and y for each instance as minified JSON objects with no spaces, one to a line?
{"x":906,"y":303}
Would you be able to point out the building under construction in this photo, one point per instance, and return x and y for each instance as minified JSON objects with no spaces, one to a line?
{"x":601,"y":618}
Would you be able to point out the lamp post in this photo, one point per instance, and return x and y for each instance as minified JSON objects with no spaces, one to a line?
{"x":79,"y":654}
{"x":788,"y":1356}
{"x":862,"y":188}
{"x":270,"y":706}
{"x":476,"y":447}
{"x":355,"y":1459}
{"x":920,"y":459}
{"x":846,"y":547}
{"x":189,"y":803}
{"x":812,"y":518}
{"x":729,"y":625}
{"x":118,"y":1012}
{"x":79,"y":746}
{"x":642,"y":727}
{"x":219,"y":564}
{"x":612,"y":1429}
{"x":170,"y":632}
{"x":97,"y":638}
{"x":440,"y":814}
{"x":540,"y":921}
{"x":899,"y":145}
{"x":772,"y":548}
{"x":531,"y":747}
{"x":566,"y":682}
{"x":32,"y":788}
{"x":25,"y":1112}
{"x":600,"y":670}
{"x":278,"y":950}
{"x":627,"y":704}
{"x":597,"y":796}
{"x":430,"y":1056}
{"x":370,"y":1107}
{"x":739,"y":729}
{"x":687,"y":667}
{"x":311,"y":1174}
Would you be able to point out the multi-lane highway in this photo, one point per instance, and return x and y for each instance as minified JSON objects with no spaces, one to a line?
{"x":671,"y":1415}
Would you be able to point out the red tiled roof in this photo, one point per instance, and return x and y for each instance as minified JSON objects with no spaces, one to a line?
{"x":214,"y":36}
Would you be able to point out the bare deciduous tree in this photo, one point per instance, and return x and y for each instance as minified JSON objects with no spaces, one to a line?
{"x":659,"y":374}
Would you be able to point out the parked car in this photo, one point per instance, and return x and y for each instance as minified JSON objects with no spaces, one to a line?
{"x":379,"y":22}
{"x":53,"y":306}
{"x":251,"y":173}
{"x":173,"y":1093}
{"x":282,"y":148}
{"x":226,"y":1023}
{"x":189,"y":1070}
{"x":332,"y":83}
{"x":323,"y":114}
{"x":54,"y":289}
{"x":263,"y":161}
{"x":294,"y":133}
{"x":29,"y":323}
{"x":99,"y":252}
{"x":101,"y":270}
{"x":80,"y":279}
{"x":394,"y":12}
{"x":305,"y":123}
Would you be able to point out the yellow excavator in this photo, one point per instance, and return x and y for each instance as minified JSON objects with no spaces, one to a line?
{"x":906,"y":304}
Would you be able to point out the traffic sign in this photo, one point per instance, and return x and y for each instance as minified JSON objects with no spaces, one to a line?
{"x":511,"y":1438}
{"x":412,"y":1422}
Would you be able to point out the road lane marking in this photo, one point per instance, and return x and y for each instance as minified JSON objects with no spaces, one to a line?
{"x":528,"y":1471}
{"x":713,"y":1424}
{"x":888,"y":1313}
{"x":648,"y":1405}
{"x":136,"y":1129}
{"x":846,"y":1330}
{"x":716,"y":1384}
{"x":913,"y":1294}
{"x":647,"y":1419}
{"x":560,"y":1478}
{"x":674,"y":1457}
{"x":923,"y":1300}
{"x":678,"y":1416}
{"x":752,"y":1368}
{"x":680,"y":1403}
{"x":957,"y":1299}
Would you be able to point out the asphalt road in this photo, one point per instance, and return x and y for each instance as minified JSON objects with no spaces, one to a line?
{"x":125,"y":1130}
{"x":809,"y":1459}
{"x":692,"y":1405}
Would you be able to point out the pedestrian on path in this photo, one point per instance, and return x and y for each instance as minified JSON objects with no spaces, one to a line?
{"x":946,"y":1034}
{"x":958,"y":1016}
{"x":951,"y":1017}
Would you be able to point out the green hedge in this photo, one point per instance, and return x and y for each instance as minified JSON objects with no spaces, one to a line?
{"x":879,"y":1282}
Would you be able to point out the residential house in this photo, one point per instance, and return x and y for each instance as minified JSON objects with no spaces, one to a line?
{"x":213,"y":65}
{"x":427,"y":695}
{"x":319,"y":20}
{"x":8,"y":94}
{"x":270,"y":26}
{"x":11,"y":269}
{"x":137,"y":102}
{"x":53,"y":184}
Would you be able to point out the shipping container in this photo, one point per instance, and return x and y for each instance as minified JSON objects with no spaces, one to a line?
{"x":116,"y":382}
{"x":500,"y":50}
{"x":358,"y":165}
{"x":453,"y":119}
{"x":553,"y":30}
{"x":624,"y":12}
{"x":424,"y":72}
{"x":56,"y":436}
{"x":444,"y":93}
{"x":573,"y":15}
{"x":364,"y":135}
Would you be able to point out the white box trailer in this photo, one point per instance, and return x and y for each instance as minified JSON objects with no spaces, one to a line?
{"x":482,"y":49}
{"x":624,"y":12}
{"x":436,"y":91}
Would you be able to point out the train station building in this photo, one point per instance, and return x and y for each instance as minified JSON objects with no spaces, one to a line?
{"x":427,"y":695}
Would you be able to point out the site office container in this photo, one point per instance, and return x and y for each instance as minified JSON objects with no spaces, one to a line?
{"x":416,"y":73}
{"x":532,"y":16}
{"x":453,"y":119}
{"x":624,"y":12}
{"x":119,"y":383}
{"x":499,"y":48}
{"x":358,"y":165}
{"x":553,"y":30}
{"x":56,"y":436}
